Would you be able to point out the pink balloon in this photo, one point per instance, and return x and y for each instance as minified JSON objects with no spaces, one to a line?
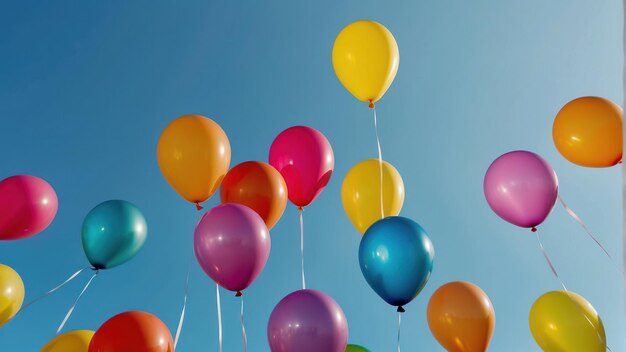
{"x":307,"y":321}
{"x":305,"y":159}
{"x":28,"y":205}
{"x":521,"y":187}
{"x":232,"y":244}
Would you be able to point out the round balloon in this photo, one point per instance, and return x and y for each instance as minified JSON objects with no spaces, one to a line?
{"x":366,"y":59}
{"x":356,"y":348}
{"x":28,"y":205}
{"x":521,"y":187}
{"x":305,"y":159}
{"x":588,"y":132}
{"x":396,"y":258}
{"x":194,"y":155}
{"x":461,"y":317}
{"x":565,"y":321}
{"x":113,"y":232}
{"x":360,"y":193}
{"x":11,"y":293}
{"x":132,"y":331}
{"x":73,"y":341}
{"x":307,"y":321}
{"x":258,"y":186}
{"x":232,"y":244}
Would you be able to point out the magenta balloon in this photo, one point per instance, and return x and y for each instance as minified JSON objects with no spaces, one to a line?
{"x":305,"y":159}
{"x":521,"y":187}
{"x":28,"y":205}
{"x":307,"y":321}
{"x":232,"y":244}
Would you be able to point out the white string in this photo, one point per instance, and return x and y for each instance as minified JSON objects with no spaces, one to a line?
{"x":219,"y":315}
{"x":399,"y":325}
{"x":301,"y":210}
{"x":54,"y":289}
{"x":69,"y":313}
{"x":243,"y":328}
{"x":182,"y":313}
{"x":380,"y":166}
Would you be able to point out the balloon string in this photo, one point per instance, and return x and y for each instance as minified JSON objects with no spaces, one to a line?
{"x":182,"y":313}
{"x":380,"y":165}
{"x":69,"y":313}
{"x":243,"y":329}
{"x":399,"y":325}
{"x":219,"y":315}
{"x":54,"y":289}
{"x":301,"y":210}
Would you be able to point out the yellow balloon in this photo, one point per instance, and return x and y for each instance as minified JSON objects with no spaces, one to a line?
{"x":360,"y":193}
{"x":194,"y":156}
{"x":11,"y":293}
{"x":366,"y":59}
{"x":73,"y":341}
{"x":561,"y":321}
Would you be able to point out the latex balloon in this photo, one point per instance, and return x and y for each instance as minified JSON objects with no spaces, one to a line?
{"x":305,"y":159}
{"x":73,"y":341}
{"x":461,"y":317}
{"x":366,"y":59}
{"x":132,"y":331}
{"x":307,"y":321}
{"x":194,"y":155}
{"x":360,"y":193}
{"x":232,"y":244}
{"x":11,"y":293}
{"x":588,"y":132}
{"x":562,"y":322}
{"x":258,"y":186}
{"x":356,"y":348}
{"x":28,"y":205}
{"x":396,"y":258}
{"x":113,"y":232}
{"x":521,"y":187}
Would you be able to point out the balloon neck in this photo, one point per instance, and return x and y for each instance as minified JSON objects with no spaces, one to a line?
{"x":198,"y":206}
{"x":300,"y":209}
{"x":400,"y":309}
{"x":619,"y":162}
{"x":371,"y":106}
{"x":97,"y":268}
{"x":533,"y":229}
{"x":238,"y":294}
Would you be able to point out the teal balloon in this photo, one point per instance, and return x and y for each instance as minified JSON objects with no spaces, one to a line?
{"x":356,"y":348}
{"x":113,"y":232}
{"x":396,"y":258}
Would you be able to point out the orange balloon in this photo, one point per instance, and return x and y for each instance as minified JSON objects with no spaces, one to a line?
{"x":258,"y":186}
{"x":461,"y":317}
{"x":134,"y":331}
{"x":194,"y":155}
{"x":588,"y":132}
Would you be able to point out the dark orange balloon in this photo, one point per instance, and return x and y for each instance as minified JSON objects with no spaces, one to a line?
{"x":461,"y":317}
{"x":258,"y":186}
{"x":132,"y":331}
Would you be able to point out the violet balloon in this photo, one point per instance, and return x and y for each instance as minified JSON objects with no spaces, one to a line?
{"x":232,"y":244}
{"x":307,"y":321}
{"x":521,"y":187}
{"x":28,"y":205}
{"x":305,"y":159}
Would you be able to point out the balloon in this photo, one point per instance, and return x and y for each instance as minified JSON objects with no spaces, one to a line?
{"x":194,"y":155}
{"x":113,"y":232}
{"x":259,"y":186}
{"x":360,"y":193}
{"x":562,"y":321}
{"x":396,"y":258}
{"x":132,"y":331}
{"x":305,"y":159}
{"x":588,"y":132}
{"x":232,"y":244}
{"x":356,"y":348}
{"x":366,"y":59}
{"x":461,"y":317}
{"x":521,"y":187}
{"x":307,"y":321}
{"x":11,"y":293}
{"x":28,"y":205}
{"x":73,"y":341}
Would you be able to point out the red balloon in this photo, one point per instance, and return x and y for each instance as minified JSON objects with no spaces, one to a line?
{"x":133,"y":331}
{"x":28,"y":205}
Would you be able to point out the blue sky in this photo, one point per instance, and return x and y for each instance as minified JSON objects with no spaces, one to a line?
{"x":87,"y":86}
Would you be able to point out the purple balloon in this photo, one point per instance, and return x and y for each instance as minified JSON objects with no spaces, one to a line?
{"x":521,"y":187}
{"x":307,"y":321}
{"x":232,"y":244}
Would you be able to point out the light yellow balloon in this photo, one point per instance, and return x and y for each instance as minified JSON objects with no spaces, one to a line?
{"x":562,"y":323}
{"x":11,"y":293}
{"x":73,"y":341}
{"x":360,"y":193}
{"x":366,"y":59}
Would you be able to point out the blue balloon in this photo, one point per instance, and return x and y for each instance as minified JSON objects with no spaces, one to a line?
{"x":113,"y":232}
{"x":396,"y":258}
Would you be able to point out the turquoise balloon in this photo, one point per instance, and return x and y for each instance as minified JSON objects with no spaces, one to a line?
{"x":113,"y":232}
{"x":356,"y":348}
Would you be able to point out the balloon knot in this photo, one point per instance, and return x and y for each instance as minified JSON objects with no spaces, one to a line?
{"x":238,"y":294}
{"x":619,"y":162}
{"x":400,"y":309}
{"x":300,"y":209}
{"x":371,"y":106}
{"x":198,"y":206}
{"x":533,"y":229}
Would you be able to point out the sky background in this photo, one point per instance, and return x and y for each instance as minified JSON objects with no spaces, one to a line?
{"x":86,"y":87}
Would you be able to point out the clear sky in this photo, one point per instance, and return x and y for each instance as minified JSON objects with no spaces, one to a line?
{"x":87,"y":86}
